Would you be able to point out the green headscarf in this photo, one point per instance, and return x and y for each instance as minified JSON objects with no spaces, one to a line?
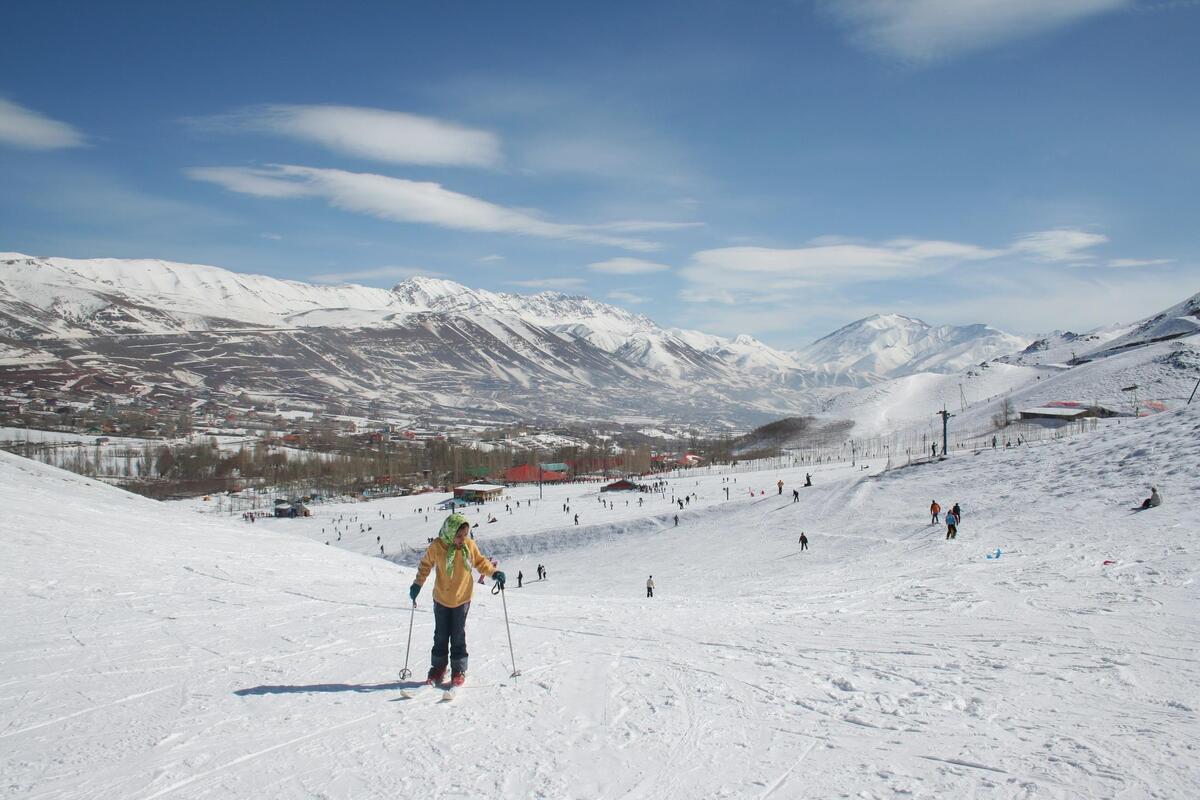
{"x":446,"y":534}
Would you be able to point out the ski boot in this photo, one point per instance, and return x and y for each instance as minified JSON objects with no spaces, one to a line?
{"x":436,"y":676}
{"x":458,"y":679}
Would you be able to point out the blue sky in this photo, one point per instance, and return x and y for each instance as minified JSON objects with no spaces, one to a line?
{"x":777,"y":168}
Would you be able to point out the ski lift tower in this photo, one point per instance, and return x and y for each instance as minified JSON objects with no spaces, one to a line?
{"x":945,"y":415}
{"x":1133,"y":389}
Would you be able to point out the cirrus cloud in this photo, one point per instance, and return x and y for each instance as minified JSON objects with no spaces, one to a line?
{"x":27,"y":129}
{"x":627,"y":266}
{"x":402,"y":200}
{"x":928,"y":30}
{"x":373,"y":133}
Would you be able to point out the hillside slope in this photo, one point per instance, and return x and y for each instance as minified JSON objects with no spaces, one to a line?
{"x":154,"y":653}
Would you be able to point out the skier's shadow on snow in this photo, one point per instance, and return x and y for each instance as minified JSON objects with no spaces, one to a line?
{"x":319,"y":688}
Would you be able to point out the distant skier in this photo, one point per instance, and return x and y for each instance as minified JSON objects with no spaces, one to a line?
{"x":951,"y":526}
{"x":1154,"y":500}
{"x":676,"y":520}
{"x":795,"y":495}
{"x":803,"y":541}
{"x":956,"y":511}
{"x":452,"y":589}
{"x":993,"y":442}
{"x":808,"y":479}
{"x":934,"y":510}
{"x":779,"y":483}
{"x":520,"y":578}
{"x":933,"y":448}
{"x":650,"y":586}
{"x":576,"y":519}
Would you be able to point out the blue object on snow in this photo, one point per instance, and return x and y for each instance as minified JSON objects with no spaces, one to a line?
{"x":996,"y":554}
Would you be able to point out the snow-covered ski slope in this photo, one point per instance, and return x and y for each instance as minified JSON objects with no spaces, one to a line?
{"x":151,"y":652}
{"x":1165,"y":372}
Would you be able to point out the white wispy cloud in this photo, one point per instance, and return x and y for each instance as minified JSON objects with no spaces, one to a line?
{"x":372,"y":133}
{"x":646,"y":225}
{"x":725,"y":274}
{"x":1059,"y":245}
{"x":378,"y":273}
{"x":626,"y":297}
{"x":27,"y":129}
{"x":492,"y":258}
{"x":402,"y":200}
{"x":250,"y":180}
{"x":627,"y":266}
{"x":550,"y":283}
{"x":929,"y":30}
{"x":730,"y":275}
{"x":1138,"y":262}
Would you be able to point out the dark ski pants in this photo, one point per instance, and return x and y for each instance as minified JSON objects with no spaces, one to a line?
{"x":449,"y":632}
{"x":935,"y":520}
{"x":951,"y":532}
{"x":804,"y":545}
{"x":649,"y":592}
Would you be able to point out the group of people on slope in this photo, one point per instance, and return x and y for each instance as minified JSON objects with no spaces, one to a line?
{"x":953,"y":517}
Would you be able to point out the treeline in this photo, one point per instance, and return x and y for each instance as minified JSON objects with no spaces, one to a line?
{"x":344,"y":466}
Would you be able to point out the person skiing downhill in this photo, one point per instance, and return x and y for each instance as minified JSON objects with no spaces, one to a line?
{"x":951,"y":526}
{"x":452,"y":589}
{"x":934,"y":509}
{"x":803,"y":541}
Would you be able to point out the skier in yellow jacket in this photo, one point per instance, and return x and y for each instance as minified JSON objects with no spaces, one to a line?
{"x":451,"y":556}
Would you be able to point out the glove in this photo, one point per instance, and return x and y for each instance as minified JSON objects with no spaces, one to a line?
{"x":498,"y":577}
{"x":413,"y":591}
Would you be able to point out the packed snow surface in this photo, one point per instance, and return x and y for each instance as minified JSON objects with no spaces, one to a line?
{"x":153,"y":652}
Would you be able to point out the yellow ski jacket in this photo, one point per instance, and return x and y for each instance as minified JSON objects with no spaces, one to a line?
{"x":455,"y":589}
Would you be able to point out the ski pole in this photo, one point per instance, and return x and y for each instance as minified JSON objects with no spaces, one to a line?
{"x":406,"y":673}
{"x":504,"y":602}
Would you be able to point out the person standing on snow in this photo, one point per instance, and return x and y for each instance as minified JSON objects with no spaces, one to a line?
{"x":650,"y":586}
{"x":779,"y":483}
{"x":808,"y":479}
{"x":795,"y":495}
{"x":520,"y":578}
{"x":956,"y":512}
{"x":451,"y":556}
{"x":934,"y":509}
{"x":803,"y":541}
{"x":951,"y":526}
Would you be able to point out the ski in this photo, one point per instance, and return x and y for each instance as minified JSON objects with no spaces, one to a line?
{"x":414,"y":691}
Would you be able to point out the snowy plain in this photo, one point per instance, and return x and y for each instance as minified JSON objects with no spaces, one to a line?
{"x":151,"y":651}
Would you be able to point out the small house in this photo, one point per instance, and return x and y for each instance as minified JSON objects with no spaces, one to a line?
{"x":478,"y":492}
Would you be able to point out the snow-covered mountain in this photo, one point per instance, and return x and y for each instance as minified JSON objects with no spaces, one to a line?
{"x":892,"y":345}
{"x":438,"y":344}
